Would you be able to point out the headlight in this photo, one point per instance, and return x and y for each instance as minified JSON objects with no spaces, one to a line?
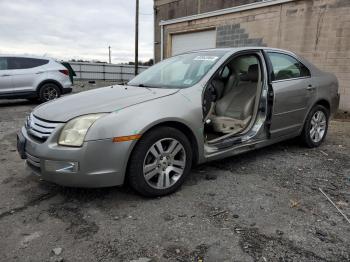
{"x":74,"y":132}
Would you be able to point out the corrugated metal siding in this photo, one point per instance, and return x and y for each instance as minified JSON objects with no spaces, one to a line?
{"x":109,"y":72}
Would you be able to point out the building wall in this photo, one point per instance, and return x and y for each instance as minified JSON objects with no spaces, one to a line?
{"x":319,"y":30}
{"x":170,"y":9}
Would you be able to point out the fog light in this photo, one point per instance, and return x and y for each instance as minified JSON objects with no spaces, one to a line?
{"x":61,"y":166}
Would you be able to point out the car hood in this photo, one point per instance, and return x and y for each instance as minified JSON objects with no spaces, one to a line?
{"x":101,"y":100}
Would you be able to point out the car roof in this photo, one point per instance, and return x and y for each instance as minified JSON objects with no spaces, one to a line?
{"x":232,"y":50}
{"x":26,"y":56}
{"x":237,"y":49}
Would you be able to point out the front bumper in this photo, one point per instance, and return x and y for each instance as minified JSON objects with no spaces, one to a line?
{"x":99,"y":163}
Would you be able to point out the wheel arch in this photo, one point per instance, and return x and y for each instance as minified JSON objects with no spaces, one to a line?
{"x":49,"y":81}
{"x":186,"y":130}
{"x":305,"y":135}
{"x":323,"y":102}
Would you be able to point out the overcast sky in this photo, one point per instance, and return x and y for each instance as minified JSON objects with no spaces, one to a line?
{"x":66,"y":29}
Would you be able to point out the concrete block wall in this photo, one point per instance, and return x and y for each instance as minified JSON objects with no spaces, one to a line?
{"x":235,"y":36}
{"x":318,"y":30}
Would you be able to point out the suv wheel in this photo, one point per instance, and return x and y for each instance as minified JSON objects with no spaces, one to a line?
{"x":49,"y":92}
{"x":316,"y":126}
{"x":160,"y":162}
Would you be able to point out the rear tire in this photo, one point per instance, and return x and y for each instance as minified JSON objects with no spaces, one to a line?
{"x":49,"y":92}
{"x":315,"y":127}
{"x":160,"y":162}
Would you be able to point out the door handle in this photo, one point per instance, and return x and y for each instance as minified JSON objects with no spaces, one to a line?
{"x":5,"y":75}
{"x":40,"y":72}
{"x":310,"y":88}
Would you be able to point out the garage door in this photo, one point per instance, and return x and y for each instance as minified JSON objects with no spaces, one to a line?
{"x":193,"y":41}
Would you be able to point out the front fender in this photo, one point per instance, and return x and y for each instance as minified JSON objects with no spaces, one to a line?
{"x":140,"y":118}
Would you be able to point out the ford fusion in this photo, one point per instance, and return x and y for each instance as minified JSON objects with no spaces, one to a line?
{"x":188,"y":109}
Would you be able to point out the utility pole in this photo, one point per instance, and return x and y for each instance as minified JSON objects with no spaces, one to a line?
{"x":109,"y":54}
{"x":137,"y":38}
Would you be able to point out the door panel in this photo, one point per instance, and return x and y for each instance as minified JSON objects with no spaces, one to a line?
{"x":5,"y":81}
{"x":23,"y":79}
{"x":293,"y":93}
{"x":291,"y":101}
{"x":25,"y":72}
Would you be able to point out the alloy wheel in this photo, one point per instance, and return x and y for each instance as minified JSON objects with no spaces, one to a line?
{"x":164,"y":163}
{"x":318,"y":126}
{"x":50,"y":93}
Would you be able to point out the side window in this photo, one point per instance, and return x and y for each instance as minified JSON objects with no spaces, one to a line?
{"x":3,"y":63}
{"x":305,"y":72}
{"x":225,"y":73}
{"x":287,"y":67}
{"x":25,"y":63}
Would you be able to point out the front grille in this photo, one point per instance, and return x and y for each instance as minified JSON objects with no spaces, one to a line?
{"x":39,"y":128}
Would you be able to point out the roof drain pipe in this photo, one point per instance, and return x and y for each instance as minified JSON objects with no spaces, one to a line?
{"x":161,"y":42}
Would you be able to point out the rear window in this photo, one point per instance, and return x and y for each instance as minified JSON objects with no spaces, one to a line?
{"x":25,"y":63}
{"x":3,"y":63}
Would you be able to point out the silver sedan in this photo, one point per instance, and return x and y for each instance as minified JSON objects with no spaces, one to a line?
{"x":188,"y":109}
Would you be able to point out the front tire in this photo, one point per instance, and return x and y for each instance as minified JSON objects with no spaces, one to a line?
{"x":49,"y":92}
{"x":160,"y":162}
{"x":315,"y":127}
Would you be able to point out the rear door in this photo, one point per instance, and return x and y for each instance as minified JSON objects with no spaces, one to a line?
{"x":293,"y":93}
{"x":5,"y":76}
{"x":25,"y":72}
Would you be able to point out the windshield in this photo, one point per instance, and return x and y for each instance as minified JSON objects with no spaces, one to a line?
{"x":179,"y":71}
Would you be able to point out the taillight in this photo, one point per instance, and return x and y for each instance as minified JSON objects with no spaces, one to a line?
{"x":65,"y":71}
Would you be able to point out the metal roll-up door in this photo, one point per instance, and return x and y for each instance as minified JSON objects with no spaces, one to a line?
{"x":193,"y":41}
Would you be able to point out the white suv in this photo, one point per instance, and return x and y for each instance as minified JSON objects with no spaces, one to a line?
{"x":33,"y":78}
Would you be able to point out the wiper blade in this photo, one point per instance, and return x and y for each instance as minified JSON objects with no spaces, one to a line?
{"x":144,"y":85}
{"x":147,"y":87}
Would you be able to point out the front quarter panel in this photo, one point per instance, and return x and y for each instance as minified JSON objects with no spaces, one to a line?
{"x":182,"y":107}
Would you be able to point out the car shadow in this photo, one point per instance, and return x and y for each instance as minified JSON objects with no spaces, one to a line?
{"x":249,"y":156}
{"x":18,"y":102}
{"x":198,"y":173}
{"x":204,"y":171}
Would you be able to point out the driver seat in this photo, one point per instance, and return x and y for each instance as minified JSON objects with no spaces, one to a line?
{"x":235,"y":109}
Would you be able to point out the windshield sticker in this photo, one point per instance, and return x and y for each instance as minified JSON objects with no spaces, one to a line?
{"x":206,"y":58}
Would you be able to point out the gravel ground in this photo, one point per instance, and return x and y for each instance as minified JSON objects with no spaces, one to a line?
{"x":260,"y":206}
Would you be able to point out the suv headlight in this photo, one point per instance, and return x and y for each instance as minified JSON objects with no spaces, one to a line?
{"x":74,"y":132}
